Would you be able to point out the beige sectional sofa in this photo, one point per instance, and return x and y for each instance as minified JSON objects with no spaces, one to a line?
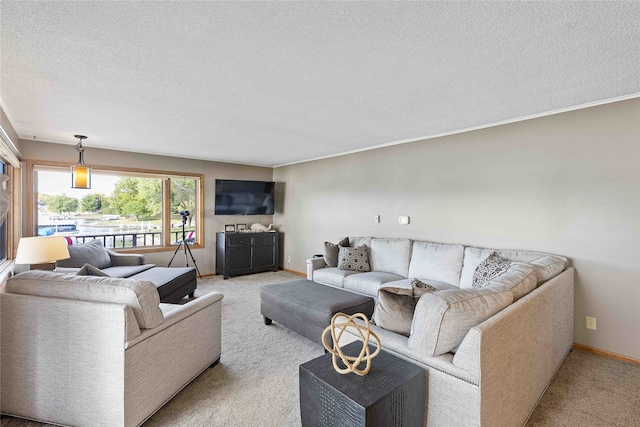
{"x":490,"y":352}
{"x":99,"y":351}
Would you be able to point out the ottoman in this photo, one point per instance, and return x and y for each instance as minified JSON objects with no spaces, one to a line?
{"x":307,"y":307}
{"x":173,"y":284}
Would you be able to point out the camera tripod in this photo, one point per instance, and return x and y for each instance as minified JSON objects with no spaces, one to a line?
{"x":185,"y":245}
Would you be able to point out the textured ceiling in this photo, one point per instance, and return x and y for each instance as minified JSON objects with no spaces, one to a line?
{"x":273,"y":83}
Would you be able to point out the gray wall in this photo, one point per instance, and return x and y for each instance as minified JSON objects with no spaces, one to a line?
{"x":205,"y":258}
{"x":566,"y":184}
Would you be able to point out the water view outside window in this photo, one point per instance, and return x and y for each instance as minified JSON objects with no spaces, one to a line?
{"x":122,"y":211}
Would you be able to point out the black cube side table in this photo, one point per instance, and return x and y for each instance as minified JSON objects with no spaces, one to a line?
{"x":392,"y":394}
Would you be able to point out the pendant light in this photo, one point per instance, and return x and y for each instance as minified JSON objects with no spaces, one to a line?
{"x":80,"y":173}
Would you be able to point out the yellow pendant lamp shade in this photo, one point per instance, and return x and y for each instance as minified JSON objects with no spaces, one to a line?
{"x":80,"y":173}
{"x":80,"y":177}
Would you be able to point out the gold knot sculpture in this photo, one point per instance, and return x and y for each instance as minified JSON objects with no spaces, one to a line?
{"x":350,"y":362}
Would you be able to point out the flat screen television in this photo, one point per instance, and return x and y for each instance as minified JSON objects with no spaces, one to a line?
{"x":235,"y":197}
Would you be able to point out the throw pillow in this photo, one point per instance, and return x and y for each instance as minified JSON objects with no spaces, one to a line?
{"x":92,"y":252}
{"x":331,"y":252}
{"x":395,"y":307}
{"x":90,"y":270}
{"x":355,"y":259}
{"x":488,"y":269}
{"x":420,"y":284}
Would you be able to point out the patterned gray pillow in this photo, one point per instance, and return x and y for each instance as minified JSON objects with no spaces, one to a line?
{"x":331,"y":252}
{"x":355,"y":259}
{"x":491,"y":267}
{"x":420,"y":284}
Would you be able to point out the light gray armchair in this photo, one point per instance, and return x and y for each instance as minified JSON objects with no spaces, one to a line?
{"x":99,"y":351}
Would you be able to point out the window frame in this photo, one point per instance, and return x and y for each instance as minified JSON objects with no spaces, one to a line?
{"x":33,"y":166}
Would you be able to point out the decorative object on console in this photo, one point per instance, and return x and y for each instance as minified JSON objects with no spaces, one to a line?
{"x":230,"y":228}
{"x":258,"y":227}
{"x":80,"y":173}
{"x":364,"y":332}
{"x":40,"y":250}
{"x":241,"y":227}
{"x":488,"y":269}
{"x":355,"y":259}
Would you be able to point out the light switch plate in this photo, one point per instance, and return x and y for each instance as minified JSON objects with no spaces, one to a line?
{"x":376,"y":219}
{"x":403,"y":220}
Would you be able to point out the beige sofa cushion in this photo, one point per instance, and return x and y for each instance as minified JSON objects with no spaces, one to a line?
{"x":359,"y":241}
{"x":390,"y":256}
{"x":435,"y":261}
{"x":520,"y":279}
{"x":546,"y":265}
{"x":141,"y":296}
{"x":442,"y":319}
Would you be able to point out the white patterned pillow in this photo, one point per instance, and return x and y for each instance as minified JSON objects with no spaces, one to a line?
{"x":491,"y":267}
{"x":355,"y":259}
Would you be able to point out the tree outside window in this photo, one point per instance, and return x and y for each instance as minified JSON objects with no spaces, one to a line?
{"x":122,"y":210}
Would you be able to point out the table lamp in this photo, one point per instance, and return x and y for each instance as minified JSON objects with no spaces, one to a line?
{"x":40,"y":250}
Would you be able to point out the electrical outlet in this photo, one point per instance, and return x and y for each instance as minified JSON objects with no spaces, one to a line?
{"x":376,"y":219}
{"x":288,"y":259}
{"x":591,"y":323}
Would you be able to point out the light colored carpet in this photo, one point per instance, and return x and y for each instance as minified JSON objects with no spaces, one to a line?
{"x":256,"y":381}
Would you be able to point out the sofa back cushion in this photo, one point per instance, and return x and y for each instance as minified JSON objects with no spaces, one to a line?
{"x":435,"y":261}
{"x":93,"y":252}
{"x":141,"y":296}
{"x":520,"y":278}
{"x":546,"y":265}
{"x":442,"y":319}
{"x":390,"y":256}
{"x":359,"y":241}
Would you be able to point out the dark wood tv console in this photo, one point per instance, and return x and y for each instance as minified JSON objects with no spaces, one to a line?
{"x":245,"y":253}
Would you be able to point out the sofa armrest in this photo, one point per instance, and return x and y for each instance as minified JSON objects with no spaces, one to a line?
{"x":177,"y":314}
{"x":523,"y":344}
{"x":314,"y":264}
{"x":169,"y":356}
{"x":125,"y":259}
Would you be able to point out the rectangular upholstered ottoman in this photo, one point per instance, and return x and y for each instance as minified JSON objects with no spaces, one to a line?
{"x":173,"y":283}
{"x":307,"y":307}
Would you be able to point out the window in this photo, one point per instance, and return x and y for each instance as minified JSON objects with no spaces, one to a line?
{"x":3,"y":227}
{"x":124,"y":208}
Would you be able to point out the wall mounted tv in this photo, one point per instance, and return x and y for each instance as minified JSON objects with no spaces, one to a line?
{"x":234,"y":197}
